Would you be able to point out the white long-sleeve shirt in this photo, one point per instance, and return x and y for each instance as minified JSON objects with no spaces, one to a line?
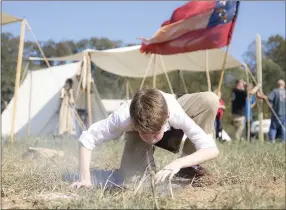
{"x":119,"y":122}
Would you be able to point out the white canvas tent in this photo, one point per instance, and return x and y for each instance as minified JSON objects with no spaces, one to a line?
{"x":38,"y":102}
{"x":130,"y":62}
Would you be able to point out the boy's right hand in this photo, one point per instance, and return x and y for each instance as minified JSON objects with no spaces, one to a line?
{"x":79,"y":184}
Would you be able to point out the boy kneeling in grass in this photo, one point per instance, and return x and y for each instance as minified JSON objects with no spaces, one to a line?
{"x":157,"y":118}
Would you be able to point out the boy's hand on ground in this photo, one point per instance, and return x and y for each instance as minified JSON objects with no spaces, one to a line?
{"x":80,"y":184}
{"x":169,"y":170}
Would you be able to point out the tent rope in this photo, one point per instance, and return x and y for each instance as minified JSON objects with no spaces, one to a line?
{"x":268,"y":103}
{"x":79,"y":84}
{"x":167,"y":77}
{"x":131,"y":90}
{"x":45,"y":58}
{"x":223,"y":68}
{"x":207,"y":72}
{"x":25,"y":72}
{"x":183,"y":81}
{"x":30,"y":105}
{"x":147,"y":70}
{"x":248,"y":106}
{"x":154,"y":73}
{"x":77,"y":117}
{"x":127,"y":89}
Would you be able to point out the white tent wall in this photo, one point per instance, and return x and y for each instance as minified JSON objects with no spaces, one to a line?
{"x":45,"y":122}
{"x":43,"y":87}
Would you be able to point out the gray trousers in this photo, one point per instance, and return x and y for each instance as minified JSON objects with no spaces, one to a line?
{"x":201,"y":107}
{"x":238,"y":123}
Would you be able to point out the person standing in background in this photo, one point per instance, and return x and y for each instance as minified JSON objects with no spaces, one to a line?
{"x":218,"y":119}
{"x":66,"y":122}
{"x":81,"y":105}
{"x":239,"y":95}
{"x":277,"y":98}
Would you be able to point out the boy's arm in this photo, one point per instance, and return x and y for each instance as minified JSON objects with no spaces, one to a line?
{"x":84,"y":165}
{"x":205,"y":145}
{"x":109,"y":128}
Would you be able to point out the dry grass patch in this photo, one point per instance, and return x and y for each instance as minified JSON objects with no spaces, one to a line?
{"x":246,"y":175}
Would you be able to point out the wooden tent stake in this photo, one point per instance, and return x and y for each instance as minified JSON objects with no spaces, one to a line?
{"x":259,"y":80}
{"x":207,"y":72}
{"x":18,"y":76}
{"x":248,"y":106}
{"x":127,"y":88}
{"x":183,"y":81}
{"x":223,"y":66}
{"x":88,"y":80}
{"x":154,"y":73}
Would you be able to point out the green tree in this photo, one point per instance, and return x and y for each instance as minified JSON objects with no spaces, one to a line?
{"x":275,"y":50}
{"x":273,"y":64}
{"x":273,"y":56}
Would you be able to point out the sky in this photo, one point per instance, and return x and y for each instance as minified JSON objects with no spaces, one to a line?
{"x":127,"y":20}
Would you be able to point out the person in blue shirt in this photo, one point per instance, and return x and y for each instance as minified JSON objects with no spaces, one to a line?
{"x":249,"y":104}
{"x":277,"y":99}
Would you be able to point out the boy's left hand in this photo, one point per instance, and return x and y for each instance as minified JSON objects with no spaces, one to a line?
{"x":169,"y":170}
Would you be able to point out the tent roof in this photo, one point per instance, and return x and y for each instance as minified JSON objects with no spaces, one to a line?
{"x":7,"y":19}
{"x":130,"y":62}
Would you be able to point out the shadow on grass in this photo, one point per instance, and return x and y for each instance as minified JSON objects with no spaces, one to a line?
{"x":99,"y":178}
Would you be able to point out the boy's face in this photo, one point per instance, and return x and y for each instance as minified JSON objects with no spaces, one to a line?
{"x":151,"y":137}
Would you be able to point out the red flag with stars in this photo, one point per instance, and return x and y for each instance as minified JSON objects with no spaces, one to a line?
{"x":197,"y":25}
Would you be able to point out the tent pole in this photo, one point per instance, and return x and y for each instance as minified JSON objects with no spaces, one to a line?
{"x":18,"y":76}
{"x":147,"y":70}
{"x":88,"y":80}
{"x":183,"y":80}
{"x":79,"y":84}
{"x":30,"y":103}
{"x":77,"y":117}
{"x":127,"y":88}
{"x":154,"y":73}
{"x":259,"y":79}
{"x":223,"y":66}
{"x":167,"y":77}
{"x":130,"y":88}
{"x":249,"y":104}
{"x":207,"y":72}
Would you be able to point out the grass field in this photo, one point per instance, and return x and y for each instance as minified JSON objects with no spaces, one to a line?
{"x":245,"y":175}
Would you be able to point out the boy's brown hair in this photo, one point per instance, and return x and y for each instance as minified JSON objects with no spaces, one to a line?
{"x":148,"y":110}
